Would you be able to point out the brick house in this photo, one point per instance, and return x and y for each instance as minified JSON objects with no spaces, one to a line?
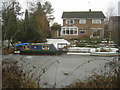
{"x":86,"y":24}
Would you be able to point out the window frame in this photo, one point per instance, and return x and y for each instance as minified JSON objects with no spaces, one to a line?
{"x":82,"y":21}
{"x":73,"y":29}
{"x":96,"y":21}
{"x":83,"y":30}
{"x":68,"y":21}
{"x":63,"y":31}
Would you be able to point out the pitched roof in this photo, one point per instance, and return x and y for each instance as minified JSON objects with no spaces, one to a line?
{"x":83,"y":14}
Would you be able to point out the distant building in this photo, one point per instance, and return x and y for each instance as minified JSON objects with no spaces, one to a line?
{"x":114,"y":27}
{"x":83,"y":24}
{"x":55,"y":30}
{"x":119,"y":8}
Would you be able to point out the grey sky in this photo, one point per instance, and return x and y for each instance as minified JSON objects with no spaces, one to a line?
{"x":79,"y":5}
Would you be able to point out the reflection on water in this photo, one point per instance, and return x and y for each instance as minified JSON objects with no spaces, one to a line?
{"x":62,"y":70}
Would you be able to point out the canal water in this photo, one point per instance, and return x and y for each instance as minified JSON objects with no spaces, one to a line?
{"x":61,"y":70}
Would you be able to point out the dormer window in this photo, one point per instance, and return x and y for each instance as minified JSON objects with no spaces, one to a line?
{"x":69,"y":21}
{"x":82,"y":21}
{"x":96,"y":21}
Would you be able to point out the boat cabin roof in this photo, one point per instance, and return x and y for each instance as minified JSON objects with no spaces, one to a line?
{"x":42,"y":44}
{"x":22,"y":44}
{"x":33,"y":44}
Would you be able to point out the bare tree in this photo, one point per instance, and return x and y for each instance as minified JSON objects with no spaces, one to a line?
{"x":111,"y":11}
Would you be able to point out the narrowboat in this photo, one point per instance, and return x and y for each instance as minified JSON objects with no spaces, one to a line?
{"x":36,"y":49}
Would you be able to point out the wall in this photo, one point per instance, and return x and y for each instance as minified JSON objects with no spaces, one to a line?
{"x":88,"y":26}
{"x":53,"y":33}
{"x":114,"y":28}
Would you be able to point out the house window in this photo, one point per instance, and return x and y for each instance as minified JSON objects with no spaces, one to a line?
{"x":82,"y":21}
{"x":75,"y":31}
{"x":63,"y":31}
{"x":69,"y":21}
{"x":96,"y":33}
{"x":82,"y":31}
{"x":96,"y":21}
{"x":69,"y":31}
{"x":58,"y":33}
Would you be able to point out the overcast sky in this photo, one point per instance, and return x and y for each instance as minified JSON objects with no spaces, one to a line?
{"x":79,"y":5}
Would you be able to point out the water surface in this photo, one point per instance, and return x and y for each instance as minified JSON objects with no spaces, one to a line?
{"x":61,"y":70}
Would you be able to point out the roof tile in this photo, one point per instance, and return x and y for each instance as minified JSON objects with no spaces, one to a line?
{"x":83,"y":14}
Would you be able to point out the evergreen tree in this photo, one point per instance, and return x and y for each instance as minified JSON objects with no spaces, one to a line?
{"x":9,"y":17}
{"x":40,"y":23}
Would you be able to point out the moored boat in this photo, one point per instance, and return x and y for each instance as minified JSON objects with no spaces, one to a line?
{"x":104,"y":53}
{"x":36,"y":49}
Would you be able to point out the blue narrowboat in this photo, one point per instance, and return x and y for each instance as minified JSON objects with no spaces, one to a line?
{"x":36,"y":49}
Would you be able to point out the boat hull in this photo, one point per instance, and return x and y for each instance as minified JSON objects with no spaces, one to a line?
{"x":40,"y":52}
{"x":103,"y":53}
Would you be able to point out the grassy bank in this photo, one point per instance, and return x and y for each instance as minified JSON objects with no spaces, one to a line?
{"x":7,"y":51}
{"x":97,"y":81}
{"x":109,"y":79}
{"x":14,"y":77}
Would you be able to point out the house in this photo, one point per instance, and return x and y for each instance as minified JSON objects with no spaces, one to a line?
{"x":114,"y":28}
{"x":83,"y":24}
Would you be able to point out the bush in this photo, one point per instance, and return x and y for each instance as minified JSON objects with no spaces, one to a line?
{"x":14,"y":77}
{"x":80,"y":45}
{"x":106,"y":80}
{"x":7,"y":51}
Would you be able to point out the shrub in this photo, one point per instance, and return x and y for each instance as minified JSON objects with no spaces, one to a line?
{"x":14,"y":77}
{"x":108,"y":79}
{"x":7,"y":51}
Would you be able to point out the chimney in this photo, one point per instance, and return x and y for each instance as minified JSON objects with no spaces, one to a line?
{"x":89,"y":10}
